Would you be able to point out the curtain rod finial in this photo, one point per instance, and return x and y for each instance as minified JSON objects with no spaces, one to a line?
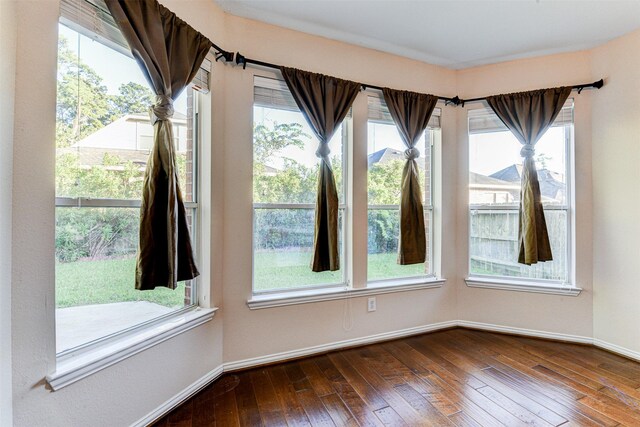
{"x":241,"y":60}
{"x":223,"y":54}
{"x":598,"y":84}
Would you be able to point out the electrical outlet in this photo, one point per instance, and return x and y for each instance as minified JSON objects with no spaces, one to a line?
{"x":371,"y":304}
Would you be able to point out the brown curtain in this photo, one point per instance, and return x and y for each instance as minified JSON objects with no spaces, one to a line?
{"x":324,"y":102}
{"x":411,"y":112}
{"x":528,"y":115}
{"x":169,"y":53}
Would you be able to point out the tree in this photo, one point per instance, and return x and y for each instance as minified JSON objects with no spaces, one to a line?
{"x":83,"y":102}
{"x":132,"y":98}
{"x":270,"y":140}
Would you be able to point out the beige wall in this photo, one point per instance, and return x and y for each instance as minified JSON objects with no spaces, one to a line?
{"x":252,"y":333}
{"x":129,"y":390}
{"x":616,"y":193}
{"x":7,"y":89}
{"x":550,"y":313}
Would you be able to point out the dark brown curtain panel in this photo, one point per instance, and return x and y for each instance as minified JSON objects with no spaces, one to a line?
{"x":528,"y":115}
{"x":411,"y":112}
{"x":169,"y":52}
{"x":324,"y":102}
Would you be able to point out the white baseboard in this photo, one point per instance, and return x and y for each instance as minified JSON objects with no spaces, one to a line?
{"x":526,"y":332}
{"x":635,"y":355}
{"x":179,"y":398}
{"x":319,"y":349}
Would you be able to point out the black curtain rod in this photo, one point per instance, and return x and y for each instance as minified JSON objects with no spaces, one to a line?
{"x":579,"y":88}
{"x":221,"y":53}
{"x":242,"y":60}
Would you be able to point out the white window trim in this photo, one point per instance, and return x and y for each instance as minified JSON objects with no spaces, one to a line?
{"x":540,"y":287}
{"x":84,"y":360}
{"x":306,"y":296}
{"x":522,"y":284}
{"x":319,"y":288}
{"x":430,"y":207}
{"x":78,"y":365}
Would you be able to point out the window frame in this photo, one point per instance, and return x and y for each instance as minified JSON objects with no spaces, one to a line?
{"x":343,"y":207}
{"x":194,"y":206}
{"x":435,"y":141}
{"x":568,"y":285}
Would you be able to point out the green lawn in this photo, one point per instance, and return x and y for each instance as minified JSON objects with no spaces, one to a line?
{"x":105,"y":281}
{"x":283,"y":269}
{"x":112,"y":280}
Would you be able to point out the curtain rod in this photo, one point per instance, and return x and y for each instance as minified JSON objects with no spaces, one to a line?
{"x":242,"y":60}
{"x":579,"y":88}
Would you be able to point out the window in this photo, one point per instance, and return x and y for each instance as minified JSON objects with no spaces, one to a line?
{"x":103,"y":138}
{"x":495,"y":169}
{"x":285,"y":172}
{"x":385,"y":164}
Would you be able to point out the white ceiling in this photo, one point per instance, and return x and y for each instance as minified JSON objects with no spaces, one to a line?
{"x":455,"y":34}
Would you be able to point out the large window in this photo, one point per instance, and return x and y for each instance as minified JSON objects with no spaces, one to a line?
{"x":285,"y":173}
{"x":495,"y":169}
{"x":103,"y":138}
{"x":385,"y":164}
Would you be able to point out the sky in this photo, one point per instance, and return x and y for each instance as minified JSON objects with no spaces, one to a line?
{"x":114,"y":67}
{"x":491,"y":152}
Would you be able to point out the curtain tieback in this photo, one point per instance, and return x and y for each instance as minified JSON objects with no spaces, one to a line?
{"x":323,"y":152}
{"x":411,"y":153}
{"x":527,"y":151}
{"x":162,"y":109}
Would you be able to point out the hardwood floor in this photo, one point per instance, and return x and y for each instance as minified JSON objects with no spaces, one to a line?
{"x":458,"y":377}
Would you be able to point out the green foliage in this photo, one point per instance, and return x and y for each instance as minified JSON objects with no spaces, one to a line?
{"x":95,"y":233}
{"x":269,"y":140}
{"x":132,"y":98}
{"x":83,"y":102}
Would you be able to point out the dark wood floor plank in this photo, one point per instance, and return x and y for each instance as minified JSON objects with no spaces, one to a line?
{"x":270,"y":409}
{"x":621,"y":369}
{"x":369,"y":394}
{"x":320,"y":384}
{"x":605,"y":378}
{"x":462,"y":376}
{"x":459,"y":377}
{"x":370,"y":373}
{"x":461,"y":419}
{"x":488,"y":359}
{"x":293,"y":409}
{"x":297,"y":376}
{"x":338,"y":411}
{"x":248,"y":411}
{"x":204,"y":407}
{"x":182,"y":417}
{"x":512,"y":407}
{"x":629,"y":418}
{"x":397,"y":373}
{"x":452,"y":385}
{"x":226,"y":409}
{"x":429,"y":413}
{"x":613,"y":404}
{"x":567,"y":407}
{"x":315,"y":409}
{"x":389,"y":417}
{"x":361,"y":412}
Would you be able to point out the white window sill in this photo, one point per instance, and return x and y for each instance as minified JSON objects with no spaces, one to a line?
{"x":522,"y":286}
{"x":316,"y":295}
{"x":75,"y":367}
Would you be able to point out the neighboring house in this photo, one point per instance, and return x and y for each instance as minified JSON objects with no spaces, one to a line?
{"x":387,"y":155}
{"x":130,"y":138}
{"x":552,"y":186}
{"x":485,"y":189}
